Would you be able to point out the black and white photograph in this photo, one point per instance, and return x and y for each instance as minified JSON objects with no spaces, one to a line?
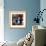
{"x":17,"y":19}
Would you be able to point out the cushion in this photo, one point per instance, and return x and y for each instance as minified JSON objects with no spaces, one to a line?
{"x":20,"y":42}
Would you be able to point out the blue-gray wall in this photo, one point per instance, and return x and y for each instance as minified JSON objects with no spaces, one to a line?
{"x":30,"y":6}
{"x":43,"y":6}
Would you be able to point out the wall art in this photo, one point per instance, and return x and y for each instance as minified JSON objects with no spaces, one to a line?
{"x":17,"y":19}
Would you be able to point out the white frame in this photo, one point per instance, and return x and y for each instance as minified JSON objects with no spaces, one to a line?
{"x":17,"y":12}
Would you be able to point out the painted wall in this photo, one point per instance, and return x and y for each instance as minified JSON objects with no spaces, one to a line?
{"x":43,"y":6}
{"x":30,"y":6}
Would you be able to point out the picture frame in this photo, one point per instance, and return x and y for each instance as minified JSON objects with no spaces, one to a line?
{"x":17,"y":19}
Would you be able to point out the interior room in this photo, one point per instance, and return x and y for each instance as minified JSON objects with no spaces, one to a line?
{"x":23,"y":23}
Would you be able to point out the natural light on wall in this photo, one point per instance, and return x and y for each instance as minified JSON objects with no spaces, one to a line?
{"x":1,"y":21}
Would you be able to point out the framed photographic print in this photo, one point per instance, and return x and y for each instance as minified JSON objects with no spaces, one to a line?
{"x":17,"y":19}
